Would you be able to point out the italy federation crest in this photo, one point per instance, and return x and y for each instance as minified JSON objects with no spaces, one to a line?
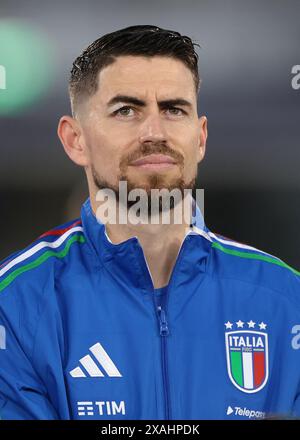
{"x":247,"y":356}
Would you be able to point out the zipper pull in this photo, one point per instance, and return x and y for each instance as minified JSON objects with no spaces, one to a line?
{"x":164,"y":330}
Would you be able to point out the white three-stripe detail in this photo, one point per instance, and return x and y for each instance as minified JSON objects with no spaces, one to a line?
{"x":105,"y":361}
{"x":92,"y":368}
{"x":38,"y":247}
{"x":77,"y":372}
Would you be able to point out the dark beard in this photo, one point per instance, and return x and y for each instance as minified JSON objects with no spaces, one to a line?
{"x":154,"y":183}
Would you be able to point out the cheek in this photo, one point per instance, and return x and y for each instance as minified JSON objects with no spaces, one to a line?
{"x":103,"y":153}
{"x":190,"y":169}
{"x":192,"y":156}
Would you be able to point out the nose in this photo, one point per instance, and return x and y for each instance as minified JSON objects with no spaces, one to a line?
{"x":152,"y":129}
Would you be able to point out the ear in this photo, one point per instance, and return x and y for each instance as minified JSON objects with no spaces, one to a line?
{"x":202,"y":137}
{"x":70,"y":134}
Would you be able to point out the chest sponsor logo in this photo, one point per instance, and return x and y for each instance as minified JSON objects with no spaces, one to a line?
{"x":245,"y":412}
{"x":101,"y":408}
{"x":247,"y":356}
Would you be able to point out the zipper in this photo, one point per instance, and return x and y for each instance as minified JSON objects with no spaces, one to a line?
{"x":164,"y":332}
{"x":164,"y":329}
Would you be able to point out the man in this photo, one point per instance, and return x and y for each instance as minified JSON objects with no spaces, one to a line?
{"x":108,"y":319}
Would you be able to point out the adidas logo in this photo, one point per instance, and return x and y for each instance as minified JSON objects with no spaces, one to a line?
{"x":91,"y":369}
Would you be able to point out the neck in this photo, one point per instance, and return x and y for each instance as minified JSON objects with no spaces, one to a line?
{"x":160,"y":242}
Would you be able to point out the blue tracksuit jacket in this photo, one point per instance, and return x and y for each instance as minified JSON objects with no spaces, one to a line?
{"x":83,"y":335}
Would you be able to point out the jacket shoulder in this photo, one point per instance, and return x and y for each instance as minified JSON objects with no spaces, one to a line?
{"x":31,"y":265}
{"x":241,"y":261}
{"x":27,"y":278}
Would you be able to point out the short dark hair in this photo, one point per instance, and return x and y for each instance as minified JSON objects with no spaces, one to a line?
{"x":143,"y":40}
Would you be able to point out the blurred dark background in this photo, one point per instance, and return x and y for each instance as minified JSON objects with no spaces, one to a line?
{"x":251,"y":170}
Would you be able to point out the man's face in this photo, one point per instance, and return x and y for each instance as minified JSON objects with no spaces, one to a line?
{"x":142,"y":125}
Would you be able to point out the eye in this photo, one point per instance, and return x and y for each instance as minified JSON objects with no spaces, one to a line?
{"x":176,"y":111}
{"x":123,"y":111}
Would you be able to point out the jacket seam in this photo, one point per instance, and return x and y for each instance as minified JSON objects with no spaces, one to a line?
{"x":258,"y":285}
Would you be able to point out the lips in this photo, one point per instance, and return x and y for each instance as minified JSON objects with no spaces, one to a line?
{"x":155,"y":159}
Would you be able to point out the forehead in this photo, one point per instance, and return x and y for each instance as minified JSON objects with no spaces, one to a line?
{"x":146,"y":76}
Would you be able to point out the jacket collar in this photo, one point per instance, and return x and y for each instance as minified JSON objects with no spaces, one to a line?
{"x":126,"y":252}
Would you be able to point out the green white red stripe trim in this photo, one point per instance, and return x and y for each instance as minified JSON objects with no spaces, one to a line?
{"x":239,"y":245}
{"x":69,"y":237}
{"x":61,"y":230}
{"x":256,"y":255}
{"x":42,"y":244}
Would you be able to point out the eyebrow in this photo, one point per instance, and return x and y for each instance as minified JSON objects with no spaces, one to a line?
{"x":140,"y":103}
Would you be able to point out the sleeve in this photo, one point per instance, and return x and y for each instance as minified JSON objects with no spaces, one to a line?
{"x":23,"y":395}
